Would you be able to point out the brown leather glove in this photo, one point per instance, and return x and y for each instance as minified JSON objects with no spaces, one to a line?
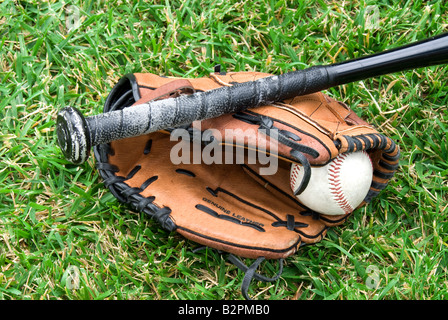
{"x":225,"y":202}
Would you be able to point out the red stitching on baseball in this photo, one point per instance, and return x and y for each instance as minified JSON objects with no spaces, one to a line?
{"x":335,"y":184}
{"x":295,"y":174}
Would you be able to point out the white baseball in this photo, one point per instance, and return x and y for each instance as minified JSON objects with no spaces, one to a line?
{"x":338,"y":187}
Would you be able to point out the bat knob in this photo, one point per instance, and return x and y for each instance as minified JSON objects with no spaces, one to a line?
{"x":73,"y":135}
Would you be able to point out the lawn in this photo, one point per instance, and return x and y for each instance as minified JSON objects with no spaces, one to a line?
{"x":58,"y":220}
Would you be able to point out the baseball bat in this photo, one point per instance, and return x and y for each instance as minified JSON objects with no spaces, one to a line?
{"x":76,"y":134}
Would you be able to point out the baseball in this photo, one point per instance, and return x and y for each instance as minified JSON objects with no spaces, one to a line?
{"x":337,"y":188}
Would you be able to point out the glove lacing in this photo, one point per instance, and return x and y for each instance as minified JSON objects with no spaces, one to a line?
{"x":266,"y":125}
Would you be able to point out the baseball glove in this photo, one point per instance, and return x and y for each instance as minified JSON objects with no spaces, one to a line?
{"x":213,"y":191}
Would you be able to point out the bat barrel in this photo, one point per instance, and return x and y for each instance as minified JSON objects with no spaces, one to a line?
{"x":424,"y":53}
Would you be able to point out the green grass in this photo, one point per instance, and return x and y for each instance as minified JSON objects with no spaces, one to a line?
{"x":55,"y":216}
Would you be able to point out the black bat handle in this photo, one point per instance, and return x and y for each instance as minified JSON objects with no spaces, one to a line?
{"x":76,"y":134}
